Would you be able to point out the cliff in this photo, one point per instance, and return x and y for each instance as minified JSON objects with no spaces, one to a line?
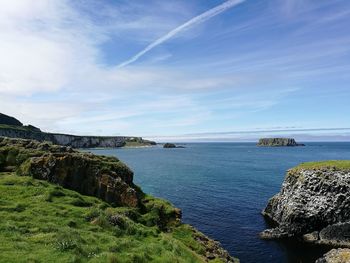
{"x":10,"y":127}
{"x":275,"y":142}
{"x":314,"y":203}
{"x":62,"y":205}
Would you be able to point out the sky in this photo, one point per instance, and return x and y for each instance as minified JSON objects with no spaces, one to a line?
{"x":178,"y":70}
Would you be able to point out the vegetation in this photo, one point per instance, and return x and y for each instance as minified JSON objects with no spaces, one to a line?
{"x":137,"y":142}
{"x":336,"y":164}
{"x":5,"y":119}
{"x":42,"y":222}
{"x":28,"y":128}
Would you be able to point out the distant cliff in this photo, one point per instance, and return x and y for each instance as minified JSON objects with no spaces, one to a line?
{"x":275,"y":142}
{"x":11,"y":127}
{"x":5,"y":119}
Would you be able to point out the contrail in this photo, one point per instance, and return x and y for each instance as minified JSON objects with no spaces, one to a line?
{"x":194,"y":21}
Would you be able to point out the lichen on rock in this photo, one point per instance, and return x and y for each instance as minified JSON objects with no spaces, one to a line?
{"x":310,"y":200}
{"x":336,"y":256}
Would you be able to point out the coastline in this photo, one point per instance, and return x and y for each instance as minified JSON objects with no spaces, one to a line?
{"x":61,"y":170}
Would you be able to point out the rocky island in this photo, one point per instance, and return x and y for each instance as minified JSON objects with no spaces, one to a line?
{"x":313,"y":204}
{"x":61,"y":205}
{"x":278,"y":142}
{"x":172,"y":145}
{"x":13,"y":128}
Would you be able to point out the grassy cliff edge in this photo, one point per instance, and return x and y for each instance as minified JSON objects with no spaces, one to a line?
{"x":335,"y":164}
{"x":112,"y":220}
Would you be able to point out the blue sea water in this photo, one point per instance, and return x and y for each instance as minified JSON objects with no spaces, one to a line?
{"x":222,"y":188}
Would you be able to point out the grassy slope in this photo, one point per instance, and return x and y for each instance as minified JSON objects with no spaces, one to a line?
{"x":42,"y":222}
{"x":136,"y":144}
{"x":338,"y":164}
{"x":20,"y":128}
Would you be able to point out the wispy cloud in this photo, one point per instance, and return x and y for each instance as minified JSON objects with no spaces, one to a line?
{"x":266,"y":65}
{"x":192,"y":22}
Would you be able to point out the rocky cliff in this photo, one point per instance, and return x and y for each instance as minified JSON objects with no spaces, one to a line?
{"x":152,"y":226}
{"x":314,"y":203}
{"x":275,"y":142}
{"x":103,"y":177}
{"x":11,"y":127}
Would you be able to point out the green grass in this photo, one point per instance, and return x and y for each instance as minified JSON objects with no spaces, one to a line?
{"x":42,"y":222}
{"x":136,"y":144}
{"x":337,"y":164}
{"x":20,"y":128}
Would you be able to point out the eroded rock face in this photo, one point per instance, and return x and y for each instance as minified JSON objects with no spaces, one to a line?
{"x":336,"y":256}
{"x":100,"y":176}
{"x":310,"y":200}
{"x":81,"y":173}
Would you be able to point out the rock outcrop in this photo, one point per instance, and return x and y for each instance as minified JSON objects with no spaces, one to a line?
{"x":336,"y":256}
{"x":275,"y":142}
{"x":11,"y":127}
{"x":172,"y":145}
{"x":314,"y":202}
{"x":169,"y":145}
{"x":103,"y":177}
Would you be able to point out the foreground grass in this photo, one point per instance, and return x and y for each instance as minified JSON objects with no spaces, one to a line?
{"x":42,"y":222}
{"x":338,"y":164}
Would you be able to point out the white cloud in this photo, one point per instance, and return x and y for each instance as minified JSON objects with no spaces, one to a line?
{"x":53,"y":72}
{"x":192,"y":22}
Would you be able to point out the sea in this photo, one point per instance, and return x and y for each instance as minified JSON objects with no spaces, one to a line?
{"x":223,"y":187}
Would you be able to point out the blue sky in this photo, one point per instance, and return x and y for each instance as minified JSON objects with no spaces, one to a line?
{"x":178,"y":70}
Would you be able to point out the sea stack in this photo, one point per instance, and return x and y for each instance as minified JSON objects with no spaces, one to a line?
{"x":314,"y":203}
{"x":278,"y":142}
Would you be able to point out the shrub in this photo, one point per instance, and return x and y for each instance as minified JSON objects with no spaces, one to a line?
{"x":2,"y":160}
{"x":79,"y":201}
{"x":12,"y":156}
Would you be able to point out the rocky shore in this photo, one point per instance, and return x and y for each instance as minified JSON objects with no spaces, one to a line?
{"x":313,"y":204}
